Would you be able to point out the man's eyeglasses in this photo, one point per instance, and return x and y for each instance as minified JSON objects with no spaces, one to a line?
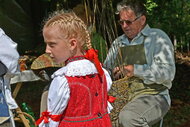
{"x":128,"y":22}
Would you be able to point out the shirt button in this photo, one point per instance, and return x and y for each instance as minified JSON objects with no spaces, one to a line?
{"x":99,"y":114}
{"x":96,"y":94}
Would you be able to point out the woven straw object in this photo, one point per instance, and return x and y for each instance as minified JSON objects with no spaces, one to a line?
{"x":44,"y":61}
{"x":119,"y":90}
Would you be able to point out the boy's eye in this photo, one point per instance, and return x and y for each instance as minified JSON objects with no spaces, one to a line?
{"x":51,"y":44}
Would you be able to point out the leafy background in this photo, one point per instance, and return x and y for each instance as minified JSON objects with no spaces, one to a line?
{"x":22,"y":21}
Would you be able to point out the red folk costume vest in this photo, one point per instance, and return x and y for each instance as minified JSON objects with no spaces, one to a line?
{"x":87,"y":105}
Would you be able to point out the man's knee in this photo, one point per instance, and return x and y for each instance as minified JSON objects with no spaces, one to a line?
{"x":129,"y":118}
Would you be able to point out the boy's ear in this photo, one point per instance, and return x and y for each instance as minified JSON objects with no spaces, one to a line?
{"x":72,"y":43}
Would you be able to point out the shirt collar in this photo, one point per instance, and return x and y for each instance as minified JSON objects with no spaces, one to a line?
{"x":76,"y":68}
{"x":145,"y":32}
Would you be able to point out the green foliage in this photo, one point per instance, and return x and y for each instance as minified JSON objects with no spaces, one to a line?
{"x":172,"y":16}
{"x":99,"y":44}
{"x":150,"y":5}
{"x":46,"y":0}
{"x":105,"y":20}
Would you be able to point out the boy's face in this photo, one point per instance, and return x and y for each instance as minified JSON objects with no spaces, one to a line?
{"x":57,"y":47}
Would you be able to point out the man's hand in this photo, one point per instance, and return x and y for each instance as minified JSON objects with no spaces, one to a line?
{"x":129,"y":70}
{"x":119,"y":72}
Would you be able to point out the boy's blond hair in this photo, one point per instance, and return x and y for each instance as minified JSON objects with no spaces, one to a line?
{"x":71,"y":26}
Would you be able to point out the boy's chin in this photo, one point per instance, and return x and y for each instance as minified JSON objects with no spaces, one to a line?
{"x":59,"y":61}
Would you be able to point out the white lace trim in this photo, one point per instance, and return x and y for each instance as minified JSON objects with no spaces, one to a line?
{"x":77,"y":68}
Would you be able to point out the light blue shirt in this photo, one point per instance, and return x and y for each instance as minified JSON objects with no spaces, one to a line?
{"x":159,"y":52}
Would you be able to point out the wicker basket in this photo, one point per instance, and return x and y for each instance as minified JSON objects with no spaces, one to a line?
{"x":119,"y":90}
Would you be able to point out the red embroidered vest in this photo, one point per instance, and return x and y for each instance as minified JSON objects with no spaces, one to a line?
{"x":88,"y":98}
